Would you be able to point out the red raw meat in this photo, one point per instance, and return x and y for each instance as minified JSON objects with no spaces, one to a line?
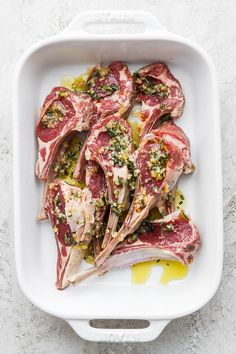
{"x":161,"y":158}
{"x":173,"y":238}
{"x":63,"y":111}
{"x":112,"y":89}
{"x":113,"y":157}
{"x":159,"y":93}
{"x":71,"y":213}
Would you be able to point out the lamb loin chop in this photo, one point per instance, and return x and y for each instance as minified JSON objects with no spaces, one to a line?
{"x":159,"y":93}
{"x":110,"y":145}
{"x":173,"y":238}
{"x":112,"y":89}
{"x":63,"y":112}
{"x":161,"y":158}
{"x":71,"y":213}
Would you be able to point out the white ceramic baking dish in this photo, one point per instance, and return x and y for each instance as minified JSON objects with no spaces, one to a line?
{"x":138,"y":38}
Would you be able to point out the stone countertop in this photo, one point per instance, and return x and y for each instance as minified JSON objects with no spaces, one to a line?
{"x":23,"y":327}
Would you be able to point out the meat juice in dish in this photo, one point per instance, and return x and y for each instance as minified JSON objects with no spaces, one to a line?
{"x":111,"y":173}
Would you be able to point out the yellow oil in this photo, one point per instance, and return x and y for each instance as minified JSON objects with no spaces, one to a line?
{"x":180,"y":201}
{"x":76,"y":83}
{"x":135,"y":130}
{"x":171,"y":270}
{"x":67,"y":81}
{"x":136,"y":113}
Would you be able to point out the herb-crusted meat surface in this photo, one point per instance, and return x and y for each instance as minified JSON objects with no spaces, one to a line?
{"x":112,"y":89}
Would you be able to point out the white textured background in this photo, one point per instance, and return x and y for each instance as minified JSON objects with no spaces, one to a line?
{"x":24,"y":328}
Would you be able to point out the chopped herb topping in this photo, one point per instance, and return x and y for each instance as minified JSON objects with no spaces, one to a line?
{"x":167,"y":227}
{"x":98,"y":85}
{"x":60,"y":215}
{"x":67,"y":159}
{"x":145,"y":227}
{"x":118,"y":208}
{"x":150,"y":86}
{"x":89,"y":254}
{"x":62,"y":94}
{"x":158,"y":161}
{"x":141,"y":200}
{"x":101,"y":202}
{"x":132,"y":238}
{"x":118,"y":147}
{"x":53,"y":115}
{"x":69,"y":240}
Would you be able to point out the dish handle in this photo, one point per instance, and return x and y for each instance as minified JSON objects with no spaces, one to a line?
{"x":87,"y":332}
{"x":114,"y":23}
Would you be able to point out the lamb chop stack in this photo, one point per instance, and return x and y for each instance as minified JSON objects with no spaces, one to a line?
{"x":163,"y":155}
{"x":108,"y":90}
{"x":118,"y":179}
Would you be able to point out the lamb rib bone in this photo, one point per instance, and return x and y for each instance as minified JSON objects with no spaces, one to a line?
{"x":71,"y":213}
{"x":95,"y":182}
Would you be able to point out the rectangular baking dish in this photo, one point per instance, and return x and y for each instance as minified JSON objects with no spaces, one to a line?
{"x":140,"y":40}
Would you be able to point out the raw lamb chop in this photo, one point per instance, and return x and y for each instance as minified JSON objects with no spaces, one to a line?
{"x":71,"y":213}
{"x":112,"y":89}
{"x":95,"y":182}
{"x":173,"y":238}
{"x":110,"y":145}
{"x":161,"y":158}
{"x":63,"y":112}
{"x":159,"y":93}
